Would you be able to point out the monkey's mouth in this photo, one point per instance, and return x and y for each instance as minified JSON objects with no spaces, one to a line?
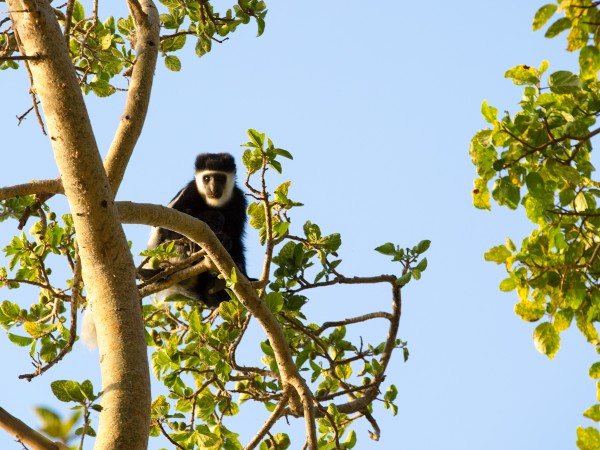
{"x":214,"y":196}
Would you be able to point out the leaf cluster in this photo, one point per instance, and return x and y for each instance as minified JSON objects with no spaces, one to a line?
{"x":103,"y":49}
{"x":44,"y":323}
{"x":408,"y":257}
{"x":540,"y":160}
{"x":195,"y":351}
{"x":200,"y":21}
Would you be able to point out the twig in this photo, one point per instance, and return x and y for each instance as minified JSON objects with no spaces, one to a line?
{"x":164,"y":432}
{"x":364,"y":318}
{"x":32,"y":88}
{"x":377,"y":433}
{"x":174,"y":278}
{"x":75,"y":298}
{"x":68,"y":19}
{"x":19,"y":58}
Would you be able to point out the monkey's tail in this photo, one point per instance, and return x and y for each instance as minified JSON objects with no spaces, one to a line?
{"x":88,"y":330}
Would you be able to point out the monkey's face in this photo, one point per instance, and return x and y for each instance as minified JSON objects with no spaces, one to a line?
{"x":215,"y":187}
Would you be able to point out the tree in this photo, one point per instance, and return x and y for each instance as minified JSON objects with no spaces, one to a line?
{"x":194,"y":352}
{"x":540,"y":159}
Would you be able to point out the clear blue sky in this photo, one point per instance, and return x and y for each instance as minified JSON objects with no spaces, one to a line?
{"x":377,"y":101}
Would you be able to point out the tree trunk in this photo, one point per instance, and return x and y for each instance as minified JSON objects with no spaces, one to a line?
{"x":108,"y":269}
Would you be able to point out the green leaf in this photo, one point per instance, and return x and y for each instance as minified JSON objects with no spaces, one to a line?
{"x":506,"y":193}
{"x":87,"y":388}
{"x":21,"y":341}
{"x":580,"y":202}
{"x":595,"y":371}
{"x":261,"y":26}
{"x":593,"y":413}
{"x":535,"y":185}
{"x":78,"y":12}
{"x":282,"y":152}
{"x":489,"y":112}
{"x":481,"y":195}
{"x":344,"y":371}
{"x":173,"y":63}
{"x":387,"y":249}
{"x":543,"y":15}
{"x":274,"y":301}
{"x":422,"y":265}
{"x":422,"y":246}
{"x":530,"y":311}
{"x":160,"y":407}
{"x":404,"y":279}
{"x":391,"y":393}
{"x":67,"y":391}
{"x":350,"y":440}
{"x":564,"y":82}
{"x":587,"y":328}
{"x":563,"y":319}
{"x":102,"y":88}
{"x":523,"y":75}
{"x":546,"y":339}
{"x":508,"y":285}
{"x":588,"y":438}
{"x":558,"y":27}
{"x":257,"y":139}
{"x":498,"y":254}
{"x":589,"y":62}
{"x":227,"y":311}
{"x":173,"y":44}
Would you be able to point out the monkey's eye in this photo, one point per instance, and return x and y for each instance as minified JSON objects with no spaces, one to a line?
{"x":206,"y":178}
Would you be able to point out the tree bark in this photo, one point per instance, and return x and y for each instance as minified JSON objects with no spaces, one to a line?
{"x":108,"y":269}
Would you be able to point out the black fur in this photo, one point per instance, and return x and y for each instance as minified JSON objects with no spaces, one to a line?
{"x":227,"y":222}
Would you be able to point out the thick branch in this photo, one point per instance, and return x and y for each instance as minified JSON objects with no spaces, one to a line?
{"x":26,"y":435}
{"x":201,"y":233}
{"x":147,"y":24}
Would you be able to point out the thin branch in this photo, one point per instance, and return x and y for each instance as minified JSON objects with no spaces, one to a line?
{"x":33,"y":187}
{"x":348,"y":391}
{"x":364,"y":318}
{"x":36,"y":207}
{"x":19,"y":58}
{"x":181,"y":275}
{"x":31,"y":84}
{"x":377,"y":433}
{"x":345,"y":280}
{"x":68,"y":20}
{"x":75,"y":300}
{"x":164,"y":432}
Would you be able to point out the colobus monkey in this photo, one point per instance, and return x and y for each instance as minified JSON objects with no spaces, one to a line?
{"x":214,"y":198}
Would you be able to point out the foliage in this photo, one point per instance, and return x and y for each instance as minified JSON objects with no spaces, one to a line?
{"x":100,"y":50}
{"x":194,"y":351}
{"x":195,"y":355}
{"x":540,"y":159}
